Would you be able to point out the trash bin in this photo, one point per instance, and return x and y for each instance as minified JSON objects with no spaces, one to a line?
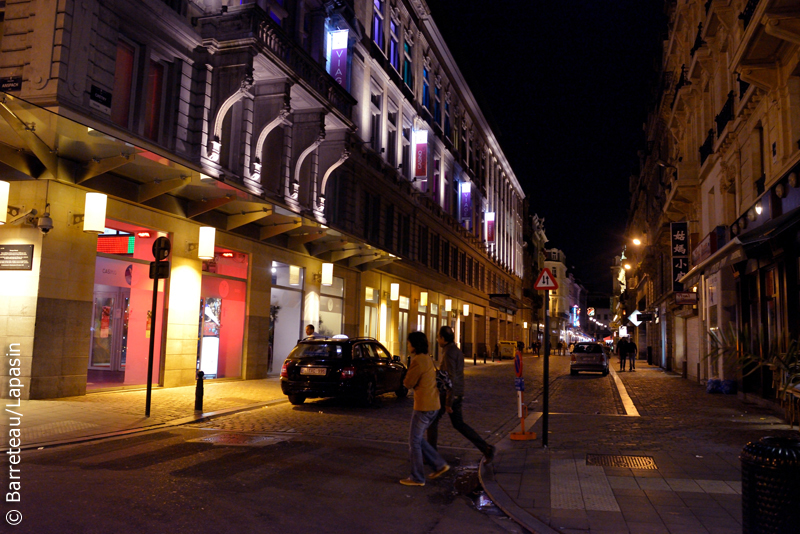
{"x":771,"y":486}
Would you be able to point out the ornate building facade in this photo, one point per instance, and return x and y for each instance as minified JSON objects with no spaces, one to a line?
{"x":715,"y":205}
{"x":333,"y":149}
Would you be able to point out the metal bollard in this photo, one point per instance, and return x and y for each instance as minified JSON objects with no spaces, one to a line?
{"x":484,"y":358}
{"x":474,"y":359}
{"x":198,"y":392}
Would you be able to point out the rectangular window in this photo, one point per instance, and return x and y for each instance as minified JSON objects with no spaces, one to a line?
{"x":447,"y":131}
{"x":437,"y":105}
{"x":388,"y":228}
{"x":394,"y":46}
{"x":154,"y":98}
{"x":391,"y":141}
{"x":408,"y":67}
{"x":435,"y":247}
{"x":446,"y":257}
{"x":377,"y":22}
{"x":405,"y":235}
{"x":407,"y":167}
{"x":446,"y":203}
{"x":426,"y":91}
{"x":372,"y":217}
{"x":123,"y":84}
{"x":435,"y":187}
{"x":423,"y":245}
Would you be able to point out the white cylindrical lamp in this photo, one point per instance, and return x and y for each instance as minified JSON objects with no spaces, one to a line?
{"x":5,"y":187}
{"x":394,"y":294}
{"x":327,"y":274}
{"x":205,"y":245}
{"x":94,"y":213}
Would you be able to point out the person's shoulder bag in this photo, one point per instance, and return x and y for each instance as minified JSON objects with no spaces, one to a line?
{"x":443,"y":381}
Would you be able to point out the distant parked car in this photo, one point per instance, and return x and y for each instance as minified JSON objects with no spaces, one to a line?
{"x":587,"y":356}
{"x":361,"y":368}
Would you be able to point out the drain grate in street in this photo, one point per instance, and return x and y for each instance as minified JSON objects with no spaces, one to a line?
{"x":612,"y":460}
{"x":239,"y":440}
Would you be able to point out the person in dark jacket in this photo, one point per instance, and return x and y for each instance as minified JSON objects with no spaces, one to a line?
{"x":452,"y":361}
{"x":631,"y":349}
{"x":622,"y":351}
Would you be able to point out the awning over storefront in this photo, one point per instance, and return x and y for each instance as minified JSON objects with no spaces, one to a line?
{"x":770,"y":229}
{"x":732,"y":252}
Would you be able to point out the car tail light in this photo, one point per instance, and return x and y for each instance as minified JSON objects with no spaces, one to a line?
{"x":348,"y":372}
{"x":284,"y":372}
{"x":573,"y":358}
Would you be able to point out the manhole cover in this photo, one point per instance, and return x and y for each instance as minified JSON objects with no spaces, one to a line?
{"x":611,"y":460}
{"x":239,"y":440}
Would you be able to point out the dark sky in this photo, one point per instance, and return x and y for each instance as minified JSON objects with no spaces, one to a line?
{"x":566,"y":85}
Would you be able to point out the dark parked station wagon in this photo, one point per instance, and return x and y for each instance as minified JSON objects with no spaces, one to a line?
{"x":341,"y":367}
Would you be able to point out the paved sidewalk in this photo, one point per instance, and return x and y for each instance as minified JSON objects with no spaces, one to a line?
{"x":96,"y":415}
{"x":691,"y":440}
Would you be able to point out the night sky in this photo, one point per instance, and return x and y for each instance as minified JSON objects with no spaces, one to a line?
{"x":566,"y":85}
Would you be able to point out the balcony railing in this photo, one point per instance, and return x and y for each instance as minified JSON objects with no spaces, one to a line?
{"x":698,"y":40}
{"x":747,"y":12}
{"x":250,"y":21}
{"x":725,"y":115}
{"x":707,"y":148}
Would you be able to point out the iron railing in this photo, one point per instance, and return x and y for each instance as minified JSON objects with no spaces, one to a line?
{"x":250,"y":21}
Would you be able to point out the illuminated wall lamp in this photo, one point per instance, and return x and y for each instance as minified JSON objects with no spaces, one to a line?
{"x":759,"y":209}
{"x":94,"y":214}
{"x":423,"y":298}
{"x":5,"y":187}
{"x":395,"y":292}
{"x":205,"y":246}
{"x":448,"y":305}
{"x":466,"y":310}
{"x":525,"y":324}
{"x":327,"y":274}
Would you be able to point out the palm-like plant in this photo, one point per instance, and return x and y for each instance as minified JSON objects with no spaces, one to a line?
{"x":750,"y":352}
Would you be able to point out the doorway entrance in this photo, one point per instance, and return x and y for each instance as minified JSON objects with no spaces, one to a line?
{"x":285,"y":312}
{"x":109,"y":347}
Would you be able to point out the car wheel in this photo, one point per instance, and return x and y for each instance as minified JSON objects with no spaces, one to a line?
{"x":573,"y":373}
{"x":369,"y":394}
{"x":402,"y":393}
{"x":297,"y":399}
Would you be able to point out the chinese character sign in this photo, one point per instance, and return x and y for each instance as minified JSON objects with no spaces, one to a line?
{"x":680,"y":253}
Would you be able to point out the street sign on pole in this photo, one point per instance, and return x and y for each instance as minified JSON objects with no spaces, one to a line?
{"x":159,"y":269}
{"x":546,"y":281}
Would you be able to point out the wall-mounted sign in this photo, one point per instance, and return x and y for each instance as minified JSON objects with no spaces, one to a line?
{"x":685,"y":297}
{"x":100,"y":100}
{"x":337,"y":61}
{"x":680,"y":253}
{"x":420,"y":153}
{"x":490,"y":227}
{"x":590,"y":312}
{"x":11,"y":83}
{"x":16,"y":257}
{"x":465,"y":194}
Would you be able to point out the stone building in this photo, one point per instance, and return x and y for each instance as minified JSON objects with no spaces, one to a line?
{"x":715,"y":206}
{"x":310,"y":162}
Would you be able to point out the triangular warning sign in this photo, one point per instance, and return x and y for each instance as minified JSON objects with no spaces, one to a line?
{"x":545,"y":280}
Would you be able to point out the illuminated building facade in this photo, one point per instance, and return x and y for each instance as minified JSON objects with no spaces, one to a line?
{"x":332,"y":149}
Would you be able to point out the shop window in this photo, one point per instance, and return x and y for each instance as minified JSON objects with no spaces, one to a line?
{"x":331,"y":306}
{"x":122,"y":316}
{"x":286,"y":312}
{"x":372,"y":299}
{"x":222,"y":314}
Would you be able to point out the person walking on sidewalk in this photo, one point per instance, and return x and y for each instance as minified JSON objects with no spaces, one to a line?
{"x":452,"y":400}
{"x":421,"y":377}
{"x":622,"y":351}
{"x":632,"y":349}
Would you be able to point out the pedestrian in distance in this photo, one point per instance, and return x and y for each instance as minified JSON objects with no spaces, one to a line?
{"x":632,"y":349}
{"x":421,"y":377}
{"x":622,"y":351}
{"x":452,"y":401}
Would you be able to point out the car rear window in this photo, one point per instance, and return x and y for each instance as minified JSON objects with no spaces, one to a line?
{"x":307,"y":351}
{"x":588,"y":348}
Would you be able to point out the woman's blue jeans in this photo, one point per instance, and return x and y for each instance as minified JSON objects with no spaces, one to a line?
{"x":420,"y":449}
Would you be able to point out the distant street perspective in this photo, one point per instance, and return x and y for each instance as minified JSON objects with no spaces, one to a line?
{"x":400,"y":266}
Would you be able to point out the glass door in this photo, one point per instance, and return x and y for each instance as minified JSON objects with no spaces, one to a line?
{"x":109,"y":345}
